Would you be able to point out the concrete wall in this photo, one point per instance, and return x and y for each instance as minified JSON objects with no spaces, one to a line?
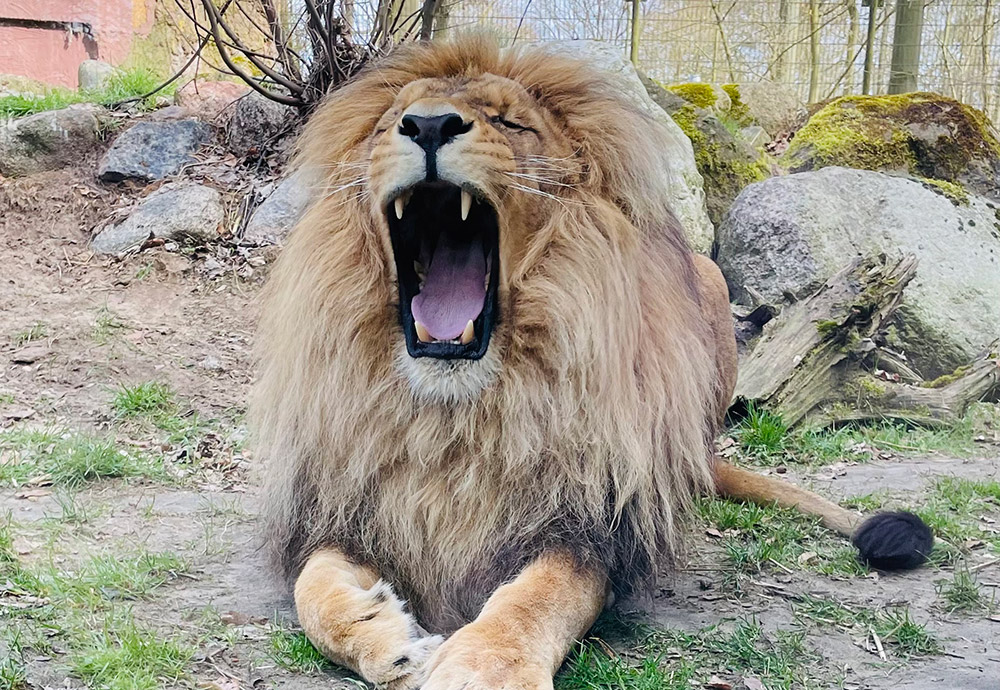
{"x":47,"y":39}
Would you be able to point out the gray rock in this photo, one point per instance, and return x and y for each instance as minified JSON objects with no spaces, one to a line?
{"x":680,"y":175}
{"x":153,"y":150}
{"x":47,"y":141}
{"x":256,"y":120}
{"x":174,"y":212}
{"x":93,"y":75}
{"x":789,"y":234}
{"x":280,"y":211}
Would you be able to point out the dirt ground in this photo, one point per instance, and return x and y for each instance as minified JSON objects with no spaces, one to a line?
{"x":187,"y":320}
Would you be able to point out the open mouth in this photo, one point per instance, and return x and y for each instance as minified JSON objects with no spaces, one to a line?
{"x":445,"y":242}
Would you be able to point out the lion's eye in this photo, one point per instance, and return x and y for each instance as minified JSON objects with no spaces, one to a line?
{"x":499,"y":120}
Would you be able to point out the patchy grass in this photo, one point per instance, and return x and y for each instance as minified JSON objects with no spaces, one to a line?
{"x":107,"y":326}
{"x":954,"y":507}
{"x":964,"y":594}
{"x":123,"y":655}
{"x":592,"y":667}
{"x":757,"y":538}
{"x":36,"y":331}
{"x":293,"y":651}
{"x":764,"y":439}
{"x":70,"y":459}
{"x":81,"y":609}
{"x":674,"y":660}
{"x":897,"y":631}
{"x":122,"y":85}
{"x":12,"y":673}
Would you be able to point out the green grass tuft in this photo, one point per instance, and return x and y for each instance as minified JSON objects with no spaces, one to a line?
{"x":35,"y":331}
{"x":124,"y":84}
{"x":591,"y":668}
{"x":761,"y":432}
{"x":757,"y":538}
{"x":150,"y":400}
{"x":71,"y":459}
{"x":963,"y":593}
{"x":897,"y":631}
{"x":123,"y":655}
{"x":293,"y":651}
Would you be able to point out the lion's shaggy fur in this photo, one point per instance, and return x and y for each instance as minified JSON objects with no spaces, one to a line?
{"x":597,"y":429}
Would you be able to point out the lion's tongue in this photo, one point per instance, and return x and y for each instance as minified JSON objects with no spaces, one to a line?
{"x":454,"y":289}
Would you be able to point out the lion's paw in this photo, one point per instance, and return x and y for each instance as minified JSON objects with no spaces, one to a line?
{"x":467,"y":662}
{"x":406,"y":671}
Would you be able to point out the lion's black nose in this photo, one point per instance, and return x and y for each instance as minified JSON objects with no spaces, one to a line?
{"x":431,"y":133}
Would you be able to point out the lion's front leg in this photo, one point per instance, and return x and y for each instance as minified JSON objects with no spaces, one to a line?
{"x":356,"y":620}
{"x":524,"y":631}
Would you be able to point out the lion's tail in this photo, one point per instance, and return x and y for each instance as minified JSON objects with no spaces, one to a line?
{"x":887,"y":541}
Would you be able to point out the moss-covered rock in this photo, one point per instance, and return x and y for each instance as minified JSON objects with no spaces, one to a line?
{"x":702,"y":95}
{"x":923,"y":135}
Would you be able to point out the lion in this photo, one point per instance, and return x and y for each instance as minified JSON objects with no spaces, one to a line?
{"x":491,"y":371}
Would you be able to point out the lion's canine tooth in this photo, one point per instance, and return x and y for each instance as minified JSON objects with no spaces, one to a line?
{"x":466,"y":204}
{"x":468,"y":334}
{"x":422,"y":334}
{"x":400,"y":205}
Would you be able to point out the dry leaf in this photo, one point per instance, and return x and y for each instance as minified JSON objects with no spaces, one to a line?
{"x":807,"y":557}
{"x":716,"y":683}
{"x":714,"y":533}
{"x":752,"y":683}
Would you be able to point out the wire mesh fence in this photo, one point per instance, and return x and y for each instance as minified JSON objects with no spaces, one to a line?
{"x":816,"y":47}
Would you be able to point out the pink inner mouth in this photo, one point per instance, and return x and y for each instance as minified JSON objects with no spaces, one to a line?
{"x":454,"y":290}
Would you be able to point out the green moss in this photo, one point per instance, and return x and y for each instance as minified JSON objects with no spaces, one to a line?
{"x":953,"y":191}
{"x":696,"y":93}
{"x":738,"y":110}
{"x":869,"y":389}
{"x":923,"y":134}
{"x":825,"y":327}
{"x":944,"y":380}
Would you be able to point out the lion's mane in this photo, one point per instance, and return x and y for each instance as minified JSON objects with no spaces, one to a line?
{"x":595,"y":433}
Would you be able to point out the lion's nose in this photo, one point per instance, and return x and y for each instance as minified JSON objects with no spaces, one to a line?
{"x":431,"y":133}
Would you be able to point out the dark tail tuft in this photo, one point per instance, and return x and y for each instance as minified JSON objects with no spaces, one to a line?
{"x":893,"y":541}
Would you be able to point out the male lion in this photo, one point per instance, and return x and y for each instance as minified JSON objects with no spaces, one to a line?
{"x":491,"y":371}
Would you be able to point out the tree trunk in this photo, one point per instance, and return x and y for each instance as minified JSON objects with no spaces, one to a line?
{"x":868,"y":78}
{"x":780,"y":67}
{"x":814,"y":57}
{"x":906,"y":44}
{"x":852,"y":44}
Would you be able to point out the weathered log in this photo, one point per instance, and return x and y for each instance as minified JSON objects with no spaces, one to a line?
{"x":820,"y":359}
{"x":935,"y":403}
{"x":798,"y":363}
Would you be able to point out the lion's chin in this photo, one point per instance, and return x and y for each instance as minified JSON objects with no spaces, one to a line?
{"x":448,"y":381}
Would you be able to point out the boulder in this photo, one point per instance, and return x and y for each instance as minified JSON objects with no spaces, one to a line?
{"x":93,"y":75}
{"x":726,"y":160}
{"x":680,"y":174}
{"x":47,"y":140}
{"x":179,"y":211}
{"x":256,"y":120}
{"x":279,"y":212}
{"x":153,"y":150}
{"x":208,"y":99}
{"x":923,"y":135}
{"x":785,"y":236}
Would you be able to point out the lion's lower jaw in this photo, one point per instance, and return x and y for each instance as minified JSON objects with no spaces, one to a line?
{"x":448,"y":380}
